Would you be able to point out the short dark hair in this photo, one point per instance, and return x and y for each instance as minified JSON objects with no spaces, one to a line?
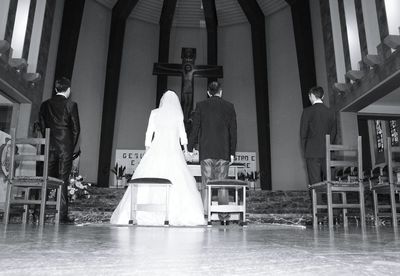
{"x":317,"y":91}
{"x":214,"y":88}
{"x":62,"y":84}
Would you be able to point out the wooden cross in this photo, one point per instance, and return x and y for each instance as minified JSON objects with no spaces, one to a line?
{"x":188,"y":70}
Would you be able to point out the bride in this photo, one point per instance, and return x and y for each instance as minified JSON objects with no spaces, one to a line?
{"x":164,"y":159}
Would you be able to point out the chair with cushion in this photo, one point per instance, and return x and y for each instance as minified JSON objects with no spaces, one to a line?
{"x":338,"y":191}
{"x":149,"y":207}
{"x":22,"y":188}
{"x":238,"y":206}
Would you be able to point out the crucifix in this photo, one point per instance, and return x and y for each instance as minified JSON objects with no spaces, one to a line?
{"x":188,"y":70}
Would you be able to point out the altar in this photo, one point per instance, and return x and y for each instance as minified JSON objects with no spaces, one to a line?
{"x":234,"y":170}
{"x":244,"y":162}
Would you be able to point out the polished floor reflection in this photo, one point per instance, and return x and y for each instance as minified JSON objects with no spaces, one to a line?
{"x":255,"y":250}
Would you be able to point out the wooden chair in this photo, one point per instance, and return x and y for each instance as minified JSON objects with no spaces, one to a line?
{"x":338,"y":189}
{"x":388,"y":185}
{"x":150,"y":207}
{"x":27,"y":184}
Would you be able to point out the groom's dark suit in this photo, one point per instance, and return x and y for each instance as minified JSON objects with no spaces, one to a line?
{"x":316,"y":121}
{"x":214,"y":127}
{"x":61,"y":116}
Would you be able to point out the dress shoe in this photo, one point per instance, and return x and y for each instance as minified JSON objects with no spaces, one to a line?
{"x":224,"y":216}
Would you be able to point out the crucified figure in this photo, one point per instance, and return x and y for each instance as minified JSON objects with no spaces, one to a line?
{"x":188,"y":70}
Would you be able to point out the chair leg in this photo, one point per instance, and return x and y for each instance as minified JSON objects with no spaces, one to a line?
{"x":166,"y":221}
{"x":330,"y":208}
{"x":362,"y":205}
{"x":393,"y":205}
{"x":26,"y":207}
{"x":7,"y":204}
{"x":344,"y":212}
{"x":209,"y":205}
{"x":376,"y":206}
{"x":58,"y":205}
{"x":314,"y":208}
{"x":244,"y":223}
{"x":134,"y":194}
{"x":42,"y":206}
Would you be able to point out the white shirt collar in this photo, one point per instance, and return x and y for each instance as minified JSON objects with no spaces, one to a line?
{"x":61,"y":94}
{"x":317,"y":101}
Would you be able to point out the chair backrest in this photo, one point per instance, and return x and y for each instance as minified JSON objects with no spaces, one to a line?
{"x":350,"y":156}
{"x":392,"y":153}
{"x":21,"y":156}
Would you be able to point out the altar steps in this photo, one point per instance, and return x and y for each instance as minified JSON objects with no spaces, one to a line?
{"x":282,"y":207}
{"x":285,"y":207}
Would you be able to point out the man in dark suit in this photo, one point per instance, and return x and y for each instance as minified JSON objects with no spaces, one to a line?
{"x":214,"y":127}
{"x":316,"y":121}
{"x":60,"y":114}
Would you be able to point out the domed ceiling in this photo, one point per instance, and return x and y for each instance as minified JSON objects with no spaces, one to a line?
{"x":189,"y":13}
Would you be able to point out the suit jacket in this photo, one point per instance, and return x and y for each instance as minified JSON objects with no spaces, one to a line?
{"x":214,"y":127}
{"x":61,"y":116}
{"x":316,"y":121}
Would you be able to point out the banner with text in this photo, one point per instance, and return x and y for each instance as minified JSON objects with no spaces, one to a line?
{"x":131,"y":158}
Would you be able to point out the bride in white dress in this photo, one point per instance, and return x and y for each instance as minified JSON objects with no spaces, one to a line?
{"x":164,"y":159}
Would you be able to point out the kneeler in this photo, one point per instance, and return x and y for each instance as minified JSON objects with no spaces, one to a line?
{"x":149,"y":207}
{"x":239,"y":206}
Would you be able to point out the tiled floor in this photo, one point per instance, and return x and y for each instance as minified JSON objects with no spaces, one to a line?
{"x":255,"y":250}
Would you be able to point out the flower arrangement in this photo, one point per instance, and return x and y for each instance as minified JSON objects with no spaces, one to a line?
{"x":250,"y":177}
{"x":77,"y":189}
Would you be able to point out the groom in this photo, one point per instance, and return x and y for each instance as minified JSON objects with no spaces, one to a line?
{"x":214,"y":127}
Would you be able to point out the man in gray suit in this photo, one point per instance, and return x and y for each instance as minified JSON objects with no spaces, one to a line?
{"x":214,"y":127}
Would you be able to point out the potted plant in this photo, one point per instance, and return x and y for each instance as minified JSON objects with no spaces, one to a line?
{"x":119,"y":172}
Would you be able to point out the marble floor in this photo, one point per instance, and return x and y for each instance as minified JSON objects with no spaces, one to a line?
{"x":92,"y":249}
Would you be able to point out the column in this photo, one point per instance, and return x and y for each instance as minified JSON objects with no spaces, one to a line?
{"x":37,"y":28}
{"x":383,"y":27}
{"x":352,"y":34}
{"x":4,"y":6}
{"x":345,"y":37}
{"x":371,"y":25}
{"x":19,"y":31}
{"x":337,"y":40}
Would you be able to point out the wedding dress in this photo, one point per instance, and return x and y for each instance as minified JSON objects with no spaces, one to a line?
{"x":164,"y":159}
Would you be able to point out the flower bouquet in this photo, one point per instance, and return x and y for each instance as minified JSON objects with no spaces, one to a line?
{"x":77,"y":189}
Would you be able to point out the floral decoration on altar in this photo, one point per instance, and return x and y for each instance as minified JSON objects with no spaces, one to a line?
{"x":251,"y":178}
{"x":120,"y":176}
